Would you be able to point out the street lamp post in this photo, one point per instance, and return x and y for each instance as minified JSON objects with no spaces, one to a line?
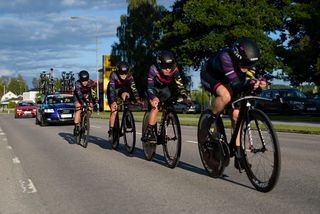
{"x":97,"y":71}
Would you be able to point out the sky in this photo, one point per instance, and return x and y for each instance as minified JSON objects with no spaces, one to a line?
{"x":36,"y":35}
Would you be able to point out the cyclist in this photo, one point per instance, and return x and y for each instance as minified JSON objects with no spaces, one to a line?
{"x":228,"y":73}
{"x":83,"y":92}
{"x":121,"y":85}
{"x":163,"y":79}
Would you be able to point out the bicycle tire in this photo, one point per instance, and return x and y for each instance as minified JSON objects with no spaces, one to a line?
{"x":129,"y":134}
{"x":149,"y":149}
{"x":172,"y":158}
{"x":258,"y":129}
{"x":115,"y":133}
{"x":85,"y":131}
{"x":210,"y":151}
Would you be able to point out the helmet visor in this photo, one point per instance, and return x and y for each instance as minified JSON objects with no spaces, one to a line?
{"x":166,"y":65}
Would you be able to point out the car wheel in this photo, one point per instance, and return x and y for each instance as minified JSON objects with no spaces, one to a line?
{"x":42,"y":122}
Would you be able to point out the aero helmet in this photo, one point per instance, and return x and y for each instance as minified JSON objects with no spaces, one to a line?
{"x":165,"y":59}
{"x":246,"y":52}
{"x":83,"y":75}
{"x":122,"y":68}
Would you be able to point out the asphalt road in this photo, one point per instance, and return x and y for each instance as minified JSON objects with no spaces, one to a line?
{"x":44,"y":171}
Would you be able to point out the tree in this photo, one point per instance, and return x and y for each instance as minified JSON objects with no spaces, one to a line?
{"x":137,"y":35}
{"x":17,"y":85}
{"x":35,"y":83}
{"x":195,"y":29}
{"x":301,"y":38}
{"x":3,"y":85}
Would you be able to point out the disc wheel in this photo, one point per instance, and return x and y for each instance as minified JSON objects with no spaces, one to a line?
{"x":211,"y":150}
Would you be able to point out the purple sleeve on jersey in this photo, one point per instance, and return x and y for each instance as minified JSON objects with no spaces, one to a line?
{"x":227,"y":66}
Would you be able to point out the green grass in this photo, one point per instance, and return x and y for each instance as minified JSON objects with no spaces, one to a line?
{"x":185,"y":120}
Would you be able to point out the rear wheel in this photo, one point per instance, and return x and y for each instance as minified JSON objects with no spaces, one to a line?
{"x":261,"y":151}
{"x":149,"y":149}
{"x":214,"y":153}
{"x":172,"y":140}
{"x":129,"y":131}
{"x":84,"y":131}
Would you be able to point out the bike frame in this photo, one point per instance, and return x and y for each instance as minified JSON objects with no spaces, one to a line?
{"x":245,"y":106}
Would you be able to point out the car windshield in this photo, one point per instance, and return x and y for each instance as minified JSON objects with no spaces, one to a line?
{"x":59,"y":99}
{"x":292,"y":93}
{"x":26,"y":104}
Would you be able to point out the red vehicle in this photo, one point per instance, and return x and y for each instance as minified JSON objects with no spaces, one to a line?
{"x":25,"y":108}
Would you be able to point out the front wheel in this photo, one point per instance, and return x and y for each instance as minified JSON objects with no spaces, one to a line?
{"x":84,"y":131}
{"x":261,"y":151}
{"x":149,"y":149}
{"x":129,"y":131}
{"x":213,"y":150}
{"x":172,"y":140}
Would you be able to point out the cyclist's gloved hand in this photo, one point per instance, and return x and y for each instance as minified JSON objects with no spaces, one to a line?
{"x":187,"y":101}
{"x":263,"y":83}
{"x":139,"y":102}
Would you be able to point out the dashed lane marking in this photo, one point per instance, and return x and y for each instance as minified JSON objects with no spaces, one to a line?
{"x":16,"y":160}
{"x":27,"y":186}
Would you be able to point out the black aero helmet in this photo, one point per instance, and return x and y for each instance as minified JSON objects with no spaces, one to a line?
{"x":246,"y":51}
{"x":165,"y":59}
{"x":83,"y":75}
{"x":123,"y":68}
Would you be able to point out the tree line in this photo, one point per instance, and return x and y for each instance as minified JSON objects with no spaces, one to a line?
{"x":287,"y":32}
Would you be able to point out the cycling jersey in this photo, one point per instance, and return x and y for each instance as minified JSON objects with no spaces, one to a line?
{"x":116,"y":84}
{"x":156,"y":80}
{"x":80,"y":90}
{"x":220,"y":69}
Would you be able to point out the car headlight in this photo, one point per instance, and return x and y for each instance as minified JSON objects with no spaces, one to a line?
{"x":48,"y":110}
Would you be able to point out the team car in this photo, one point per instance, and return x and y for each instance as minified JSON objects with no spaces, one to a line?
{"x":25,"y":108}
{"x":55,"y":108}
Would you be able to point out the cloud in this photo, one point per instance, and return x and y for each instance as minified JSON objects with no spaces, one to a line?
{"x":5,"y":73}
{"x":39,"y":35}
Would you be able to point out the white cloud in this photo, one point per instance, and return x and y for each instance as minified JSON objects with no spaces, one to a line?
{"x":37,"y":35}
{"x":4,"y":73}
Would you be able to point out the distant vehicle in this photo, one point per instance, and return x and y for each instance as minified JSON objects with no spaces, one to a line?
{"x":181,"y":107}
{"x":55,"y":108}
{"x":286,"y":101}
{"x":25,"y":108}
{"x":316,"y":98}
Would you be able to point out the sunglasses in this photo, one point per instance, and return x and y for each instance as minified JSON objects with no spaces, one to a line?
{"x":167,"y":66}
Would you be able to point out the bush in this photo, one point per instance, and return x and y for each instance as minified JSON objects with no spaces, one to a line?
{"x":11,"y":104}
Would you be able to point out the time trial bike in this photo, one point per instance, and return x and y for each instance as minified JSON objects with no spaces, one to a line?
{"x":259,"y":147}
{"x":84,"y":126}
{"x":168,"y":134}
{"x":126,"y":129}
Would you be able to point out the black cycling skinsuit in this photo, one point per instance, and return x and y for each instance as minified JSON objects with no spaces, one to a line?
{"x":80,"y":90}
{"x":117,"y":86}
{"x":158,"y":84}
{"x":220,"y":69}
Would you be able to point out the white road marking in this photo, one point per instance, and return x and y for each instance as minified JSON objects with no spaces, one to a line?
{"x":138,"y":133}
{"x":27,"y":186}
{"x":9,"y":147}
{"x":16,"y":160}
{"x":2,"y":133}
{"x":190,"y":141}
{"x":98,"y":127}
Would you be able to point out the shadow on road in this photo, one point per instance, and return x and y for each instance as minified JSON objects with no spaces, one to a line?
{"x":103,"y":143}
{"x":139,"y":153}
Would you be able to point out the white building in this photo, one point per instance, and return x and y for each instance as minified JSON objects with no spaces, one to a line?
{"x":8,"y":96}
{"x":30,"y":95}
